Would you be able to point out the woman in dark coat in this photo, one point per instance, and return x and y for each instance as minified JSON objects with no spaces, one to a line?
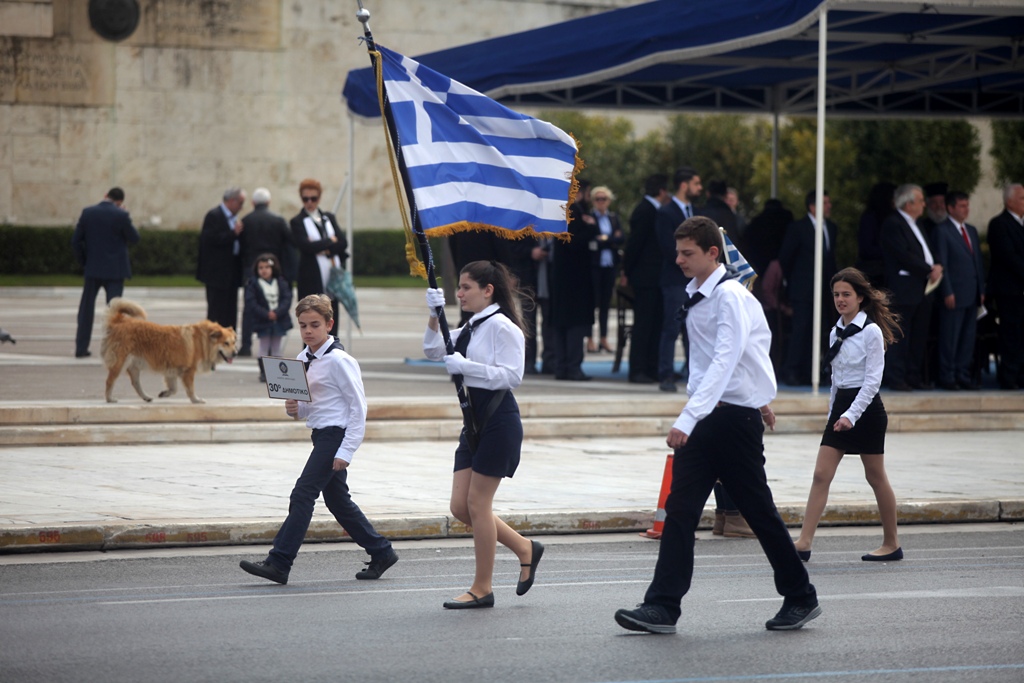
{"x":320,"y":242}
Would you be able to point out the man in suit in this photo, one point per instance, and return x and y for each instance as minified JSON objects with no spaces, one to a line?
{"x":909,"y":267}
{"x":718,"y":210}
{"x":641,"y":265}
{"x":220,"y":258}
{"x":956,"y":247}
{"x":1006,"y":284}
{"x":100,"y":243}
{"x":670,"y":216}
{"x":934,"y":208}
{"x":265,"y":233}
{"x":797,"y":260}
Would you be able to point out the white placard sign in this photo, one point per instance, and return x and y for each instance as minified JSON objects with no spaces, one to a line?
{"x":286,"y":378}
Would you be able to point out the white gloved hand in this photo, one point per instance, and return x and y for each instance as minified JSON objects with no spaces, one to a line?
{"x":455,"y":363}
{"x":435,"y":299}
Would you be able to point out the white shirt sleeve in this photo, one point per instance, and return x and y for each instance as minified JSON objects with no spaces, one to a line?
{"x":351,"y":381}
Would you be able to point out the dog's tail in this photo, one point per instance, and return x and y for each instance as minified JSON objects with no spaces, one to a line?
{"x":123,"y":308}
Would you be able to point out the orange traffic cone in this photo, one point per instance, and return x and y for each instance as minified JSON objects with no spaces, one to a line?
{"x":659,"y":516}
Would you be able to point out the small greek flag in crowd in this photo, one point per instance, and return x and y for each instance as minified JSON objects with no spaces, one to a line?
{"x":734,"y":258}
{"x":474,"y":164}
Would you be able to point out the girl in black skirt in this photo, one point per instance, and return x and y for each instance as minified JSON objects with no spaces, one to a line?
{"x":490,"y":355}
{"x":857,"y":419}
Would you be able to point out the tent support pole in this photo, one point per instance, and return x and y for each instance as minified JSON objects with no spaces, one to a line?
{"x":350,"y":208}
{"x":775,"y":153}
{"x":819,"y":201}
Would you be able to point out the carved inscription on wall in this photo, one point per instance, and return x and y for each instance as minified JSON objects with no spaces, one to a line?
{"x":40,"y":71}
{"x":254,"y":24}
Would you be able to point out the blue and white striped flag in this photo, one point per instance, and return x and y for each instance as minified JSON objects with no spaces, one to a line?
{"x":735,"y":259}
{"x":474,"y":164}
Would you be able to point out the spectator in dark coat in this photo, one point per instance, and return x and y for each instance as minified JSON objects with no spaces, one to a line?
{"x":265,"y":233}
{"x":220,"y":258}
{"x":572,"y":292}
{"x":1006,"y":284}
{"x":869,"y":234}
{"x":100,"y":243}
{"x":797,"y":257}
{"x":321,"y":243}
{"x":641,"y":265}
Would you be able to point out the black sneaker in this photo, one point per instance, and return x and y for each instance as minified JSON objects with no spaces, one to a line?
{"x":265,"y":570}
{"x":649,"y":618}
{"x":792,"y":617}
{"x":376,"y":567}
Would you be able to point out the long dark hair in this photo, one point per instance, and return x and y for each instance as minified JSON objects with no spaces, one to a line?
{"x":875,"y":303}
{"x":506,"y":288}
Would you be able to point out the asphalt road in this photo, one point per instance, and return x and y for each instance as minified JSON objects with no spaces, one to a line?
{"x":952,"y":611}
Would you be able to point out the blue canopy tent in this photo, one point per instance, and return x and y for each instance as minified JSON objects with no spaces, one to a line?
{"x":945,"y":58}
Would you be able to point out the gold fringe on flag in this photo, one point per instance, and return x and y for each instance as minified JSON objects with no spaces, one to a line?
{"x":416,"y":267}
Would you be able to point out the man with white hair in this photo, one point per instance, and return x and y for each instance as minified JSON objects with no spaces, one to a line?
{"x":1006,"y":284}
{"x":220,"y":258}
{"x":265,"y":233}
{"x":909,"y":268}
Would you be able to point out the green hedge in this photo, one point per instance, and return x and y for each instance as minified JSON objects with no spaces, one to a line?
{"x":45,"y":251}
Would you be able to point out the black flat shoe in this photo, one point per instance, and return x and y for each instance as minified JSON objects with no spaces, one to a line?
{"x":265,"y":570}
{"x":538,"y":552}
{"x":894,"y":556}
{"x":804,"y":555}
{"x":485,"y":601}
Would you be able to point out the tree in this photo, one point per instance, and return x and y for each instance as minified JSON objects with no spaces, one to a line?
{"x":1008,"y":151}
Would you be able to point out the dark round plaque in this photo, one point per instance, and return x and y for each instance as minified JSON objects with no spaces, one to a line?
{"x":114,"y":19}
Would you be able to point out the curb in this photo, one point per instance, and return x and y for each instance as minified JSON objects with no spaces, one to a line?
{"x":159,"y":534}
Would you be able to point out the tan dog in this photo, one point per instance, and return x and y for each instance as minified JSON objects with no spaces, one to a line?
{"x":132,"y":343}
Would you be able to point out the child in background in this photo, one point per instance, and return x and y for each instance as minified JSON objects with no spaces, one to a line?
{"x":268,"y":298}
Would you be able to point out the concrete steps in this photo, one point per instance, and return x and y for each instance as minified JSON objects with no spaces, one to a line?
{"x":56,"y":423}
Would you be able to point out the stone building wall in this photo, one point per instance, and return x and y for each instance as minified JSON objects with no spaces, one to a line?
{"x":205,"y":94}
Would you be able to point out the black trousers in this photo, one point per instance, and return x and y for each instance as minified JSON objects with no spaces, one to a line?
{"x":222,"y":305}
{"x":1011,"y":339}
{"x":87,"y":308}
{"x":905,"y":360}
{"x":319,"y":478}
{"x":726,"y":445}
{"x":569,"y":349}
{"x":646,"y":332}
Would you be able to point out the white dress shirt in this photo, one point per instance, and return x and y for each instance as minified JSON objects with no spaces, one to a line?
{"x":686,"y":208}
{"x":496,"y":355}
{"x":729,"y":343}
{"x":859,"y":363}
{"x":920,"y":238}
{"x":338,"y":399}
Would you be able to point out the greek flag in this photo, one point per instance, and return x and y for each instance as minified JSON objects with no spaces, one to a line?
{"x":474,"y":164}
{"x":734,"y":258}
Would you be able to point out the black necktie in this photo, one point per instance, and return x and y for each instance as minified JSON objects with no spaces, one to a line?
{"x":688,"y":303}
{"x":841,"y":336}
{"x":309,"y":359}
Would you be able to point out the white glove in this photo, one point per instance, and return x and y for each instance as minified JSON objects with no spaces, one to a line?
{"x":435,"y":299}
{"x":455,"y":363}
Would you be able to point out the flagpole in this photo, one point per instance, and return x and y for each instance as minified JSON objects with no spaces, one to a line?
{"x":363,"y":15}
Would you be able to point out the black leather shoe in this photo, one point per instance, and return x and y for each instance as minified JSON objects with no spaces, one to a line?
{"x":485,"y":601}
{"x":894,"y":556}
{"x":265,"y":570}
{"x":793,"y":616}
{"x":669,"y":386}
{"x":83,"y":354}
{"x":641,"y":378}
{"x":649,"y":618}
{"x":538,"y":552}
{"x":804,"y":555}
{"x":578,"y":376}
{"x":376,"y":567}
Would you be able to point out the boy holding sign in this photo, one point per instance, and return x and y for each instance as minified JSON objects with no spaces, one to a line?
{"x":337,"y":415}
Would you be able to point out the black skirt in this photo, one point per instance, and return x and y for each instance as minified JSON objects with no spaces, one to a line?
{"x":868,"y":434}
{"x":500,"y":441}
